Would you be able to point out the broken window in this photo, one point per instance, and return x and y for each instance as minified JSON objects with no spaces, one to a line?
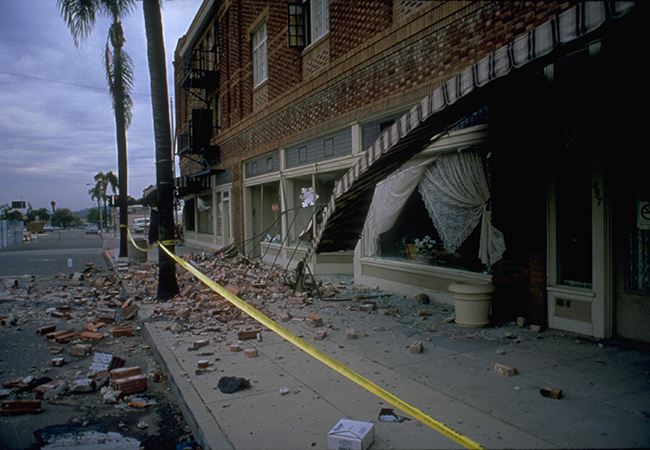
{"x":443,"y":216}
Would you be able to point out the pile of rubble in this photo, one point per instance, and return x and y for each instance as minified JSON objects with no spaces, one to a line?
{"x":84,"y":323}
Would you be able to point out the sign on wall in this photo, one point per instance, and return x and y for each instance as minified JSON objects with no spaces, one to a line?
{"x":643,"y":215}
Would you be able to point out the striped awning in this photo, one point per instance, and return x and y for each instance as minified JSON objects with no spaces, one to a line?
{"x":465,"y":92}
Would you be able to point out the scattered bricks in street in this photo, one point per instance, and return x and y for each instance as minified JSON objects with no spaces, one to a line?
{"x":535,"y":328}
{"x":315,"y":321}
{"x":321,"y":334}
{"x":16,"y":407}
{"x":82,"y":386}
{"x":122,"y":331}
{"x":284,"y":317}
{"x":555,"y":393}
{"x":125,"y":372}
{"x":367,"y":307}
{"x":89,"y":335}
{"x":235,"y":348}
{"x":46,"y":329}
{"x":422,"y":313}
{"x":50,"y":389}
{"x":504,"y":369}
{"x":201,"y":343}
{"x":250,"y":352}
{"x":106,"y":362}
{"x":417,"y":347}
{"x":203,"y":364}
{"x":350,"y":334}
{"x":247,"y":334}
{"x":186,"y":291}
{"x":521,"y":321}
{"x":295,"y":300}
{"x":101,"y":379}
{"x":61,"y":336}
{"x":58,"y":362}
{"x":58,"y":314}
{"x":105,"y":315}
{"x":422,"y":299}
{"x":130,"y":312}
{"x":130,"y":385}
{"x":234,"y":290}
{"x":79,"y":350}
{"x":56,"y":350}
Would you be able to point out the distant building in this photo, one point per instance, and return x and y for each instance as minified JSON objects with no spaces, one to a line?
{"x":521,"y":117}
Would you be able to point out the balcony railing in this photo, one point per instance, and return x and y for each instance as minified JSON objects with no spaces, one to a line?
{"x":199,"y":70}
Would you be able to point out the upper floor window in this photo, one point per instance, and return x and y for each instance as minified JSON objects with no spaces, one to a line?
{"x":319,"y":18}
{"x":260,"y":61}
{"x":307,"y":22}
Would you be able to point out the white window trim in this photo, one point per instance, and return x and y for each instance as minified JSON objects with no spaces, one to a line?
{"x":260,"y":55}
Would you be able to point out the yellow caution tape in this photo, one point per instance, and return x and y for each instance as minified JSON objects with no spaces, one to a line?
{"x":313,"y":351}
{"x":168,"y":242}
{"x":136,"y":245}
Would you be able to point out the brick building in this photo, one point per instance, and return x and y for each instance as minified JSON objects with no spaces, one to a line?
{"x":297,"y":120}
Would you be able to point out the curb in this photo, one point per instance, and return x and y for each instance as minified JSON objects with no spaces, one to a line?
{"x":204,"y":426}
{"x":206,"y":429}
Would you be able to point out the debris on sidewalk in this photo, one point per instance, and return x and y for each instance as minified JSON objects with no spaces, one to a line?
{"x":555,"y":393}
{"x":504,"y":369}
{"x":388,"y":415}
{"x":228,"y":385}
{"x":351,"y":434}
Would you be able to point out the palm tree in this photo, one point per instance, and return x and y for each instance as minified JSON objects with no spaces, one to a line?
{"x":80,"y":17}
{"x":167,"y":285}
{"x":104,"y":181}
{"x":96,"y":194}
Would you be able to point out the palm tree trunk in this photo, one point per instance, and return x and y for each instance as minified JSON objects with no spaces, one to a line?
{"x":120,"y":126}
{"x":167,"y":285}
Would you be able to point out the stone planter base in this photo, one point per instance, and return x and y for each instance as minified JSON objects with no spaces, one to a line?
{"x":472,"y":303}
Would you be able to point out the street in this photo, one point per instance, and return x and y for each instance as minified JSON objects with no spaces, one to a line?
{"x":49,"y":254}
{"x":38,"y":289}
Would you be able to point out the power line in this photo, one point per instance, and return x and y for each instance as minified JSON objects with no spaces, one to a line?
{"x":62,"y":82}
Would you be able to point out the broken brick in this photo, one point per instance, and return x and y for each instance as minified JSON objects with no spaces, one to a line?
{"x":555,"y":393}
{"x":46,"y":329}
{"x":16,"y":407}
{"x":125,"y":372}
{"x":417,"y":347}
{"x":130,"y":385}
{"x":247,"y":334}
{"x":250,"y":352}
{"x":61,"y":336}
{"x":201,"y":343}
{"x":504,"y":369}
{"x":235,"y":348}
{"x":105,"y":315}
{"x":350,"y":334}
{"x":130,"y":312}
{"x":91,"y":335}
{"x":203,"y":364}
{"x":321,"y":334}
{"x":315,"y":321}
{"x":50,"y":389}
{"x":79,"y":350}
{"x":122,"y":331}
{"x":284,"y":317}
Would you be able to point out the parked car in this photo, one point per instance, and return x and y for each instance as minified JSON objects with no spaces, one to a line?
{"x":140,"y":225}
{"x":92,"y":229}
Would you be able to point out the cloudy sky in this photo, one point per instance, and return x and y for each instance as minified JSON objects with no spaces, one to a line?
{"x":57,"y":128}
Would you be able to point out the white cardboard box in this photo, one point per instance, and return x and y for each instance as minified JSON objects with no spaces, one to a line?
{"x":351,"y":435}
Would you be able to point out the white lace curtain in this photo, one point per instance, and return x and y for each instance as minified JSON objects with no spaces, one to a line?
{"x":455,"y":193}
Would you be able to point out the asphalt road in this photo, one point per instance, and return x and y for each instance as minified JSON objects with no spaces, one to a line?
{"x":49,"y":254}
{"x":43,"y":280}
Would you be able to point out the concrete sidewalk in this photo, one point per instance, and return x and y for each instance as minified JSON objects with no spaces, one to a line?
{"x":605,"y":388}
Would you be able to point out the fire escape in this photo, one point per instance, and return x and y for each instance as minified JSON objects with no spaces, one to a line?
{"x":199,"y":77}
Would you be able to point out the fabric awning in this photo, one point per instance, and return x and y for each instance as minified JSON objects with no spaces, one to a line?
{"x":462,"y":94}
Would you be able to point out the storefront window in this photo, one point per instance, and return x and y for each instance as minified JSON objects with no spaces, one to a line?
{"x":205,"y":214}
{"x":188,"y":215}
